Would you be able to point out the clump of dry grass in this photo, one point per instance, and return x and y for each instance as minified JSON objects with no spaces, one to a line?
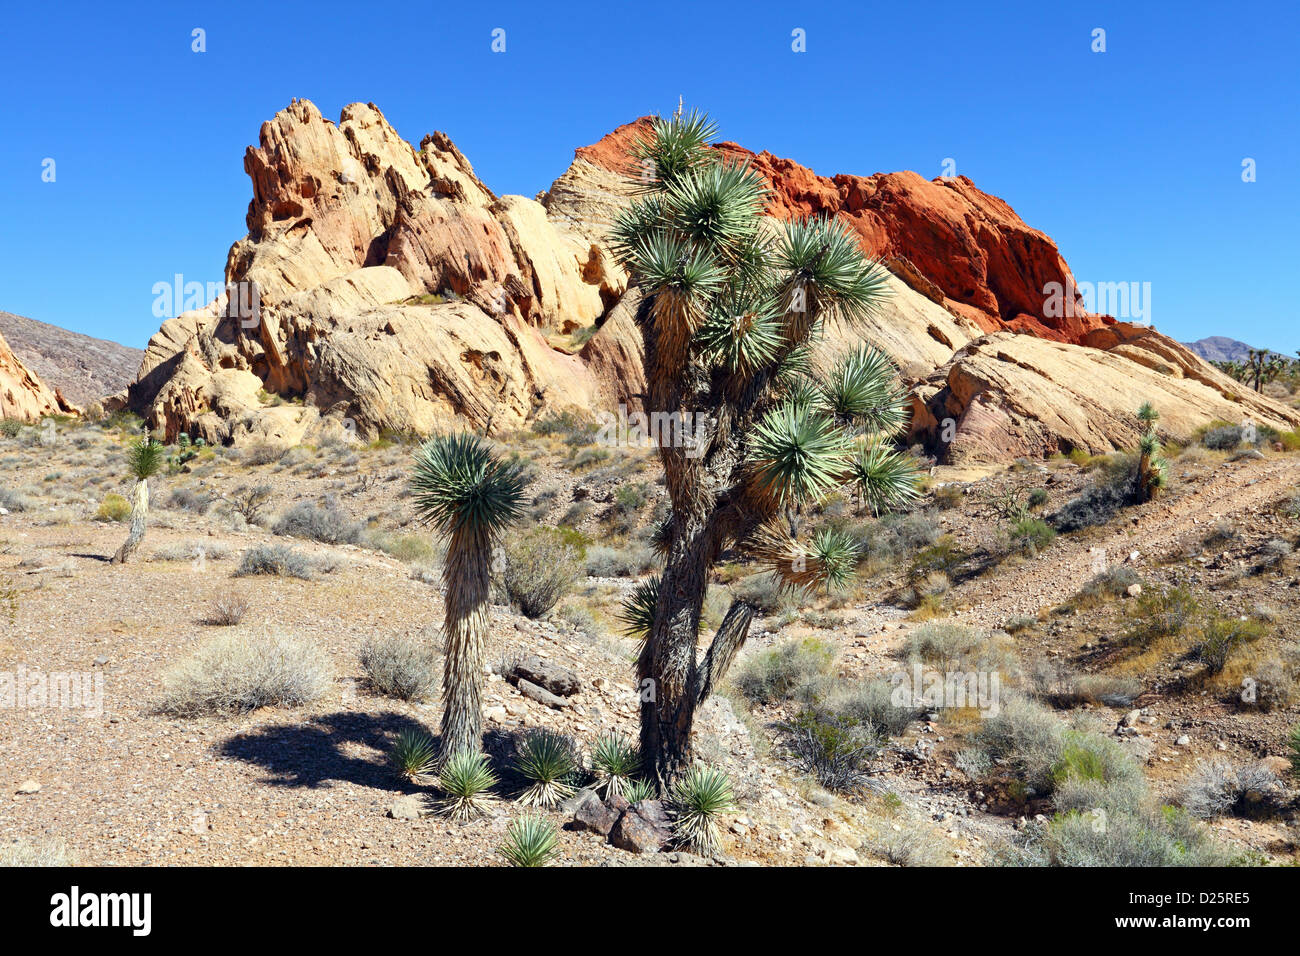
{"x":239,"y":672}
{"x":227,"y":610}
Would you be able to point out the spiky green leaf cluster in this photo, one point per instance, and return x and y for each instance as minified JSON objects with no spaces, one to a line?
{"x":549,"y":760}
{"x":637,"y":611}
{"x":465,"y":778}
{"x":415,"y":755}
{"x":462,"y":488}
{"x":145,"y":458}
{"x":616,"y":761}
{"x":797,"y":454}
{"x":530,"y":841}
{"x":885,"y":478}
{"x":701,"y":795}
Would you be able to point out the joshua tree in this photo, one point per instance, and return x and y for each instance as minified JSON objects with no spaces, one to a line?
{"x":1152,"y":467}
{"x":470,"y":497}
{"x":144,"y":459}
{"x":731,"y":305}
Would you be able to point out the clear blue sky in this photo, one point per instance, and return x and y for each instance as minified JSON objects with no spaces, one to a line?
{"x":1129,"y":159}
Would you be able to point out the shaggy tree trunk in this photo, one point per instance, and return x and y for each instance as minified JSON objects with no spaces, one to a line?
{"x":465,"y":625}
{"x":139,"y":514}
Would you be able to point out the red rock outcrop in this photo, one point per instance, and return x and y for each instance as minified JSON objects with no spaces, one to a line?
{"x":986,"y":263}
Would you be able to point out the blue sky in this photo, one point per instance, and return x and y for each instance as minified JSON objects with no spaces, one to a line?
{"x":1130,"y":159}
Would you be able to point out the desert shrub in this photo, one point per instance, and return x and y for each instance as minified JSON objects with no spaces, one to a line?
{"x":1099,"y":502}
{"x":1021,"y":622}
{"x":1166,"y":837}
{"x":1092,"y":757}
{"x":630,"y":561}
{"x":1293,"y":749}
{"x":1219,"y":787}
{"x":10,"y":427}
{"x":1113,"y":582}
{"x":41,"y":853}
{"x":407,"y":548}
{"x":955,"y":647}
{"x":1222,"y":438}
{"x":322,"y":521}
{"x":764,"y":592}
{"x":264,"y":454}
{"x":190,"y":499}
{"x":1222,"y":637}
{"x":949,"y":496}
{"x":1273,"y":688}
{"x":1038,"y":497}
{"x":17,"y":501}
{"x":227,"y":610}
{"x":834,"y":748}
{"x":1026,"y":736}
{"x":237,"y":673}
{"x":541,"y":566}
{"x":870,"y":704}
{"x":250,"y":501}
{"x":549,"y":762}
{"x":1160,"y":613}
{"x":276,"y":560}
{"x":580,"y":618}
{"x":973,"y":762}
{"x":564,"y":424}
{"x":941,"y":556}
{"x":785,"y":672}
{"x":400,"y":666}
{"x":1273,"y":552}
{"x":113,"y":508}
{"x":912,"y":846}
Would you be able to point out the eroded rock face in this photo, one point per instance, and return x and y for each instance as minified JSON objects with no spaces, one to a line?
{"x":22,"y":394}
{"x":1006,"y":396}
{"x":957,"y":245}
{"x":394,"y":290}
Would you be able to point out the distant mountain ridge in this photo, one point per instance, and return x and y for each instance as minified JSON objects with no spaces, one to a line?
{"x":82,"y":368}
{"x":1220,"y":348}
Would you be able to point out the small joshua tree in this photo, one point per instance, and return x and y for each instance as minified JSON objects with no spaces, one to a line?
{"x":1153,"y":470}
{"x":470,"y":496}
{"x":144,"y":459}
{"x":732,"y":304}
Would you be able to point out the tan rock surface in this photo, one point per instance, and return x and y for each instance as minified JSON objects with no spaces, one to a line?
{"x":22,"y":394}
{"x":1012,"y":395}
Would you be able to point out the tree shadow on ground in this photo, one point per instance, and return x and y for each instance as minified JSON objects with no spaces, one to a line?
{"x":325,"y":749}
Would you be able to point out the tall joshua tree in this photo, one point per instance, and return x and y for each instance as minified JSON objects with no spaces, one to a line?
{"x":470,"y":497}
{"x":731,"y":306}
{"x":144,"y":459}
{"x":1152,"y":467}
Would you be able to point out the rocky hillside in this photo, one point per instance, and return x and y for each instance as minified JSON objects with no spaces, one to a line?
{"x":83,"y":368}
{"x":1220,"y":348}
{"x":22,"y":393}
{"x":395,"y":290}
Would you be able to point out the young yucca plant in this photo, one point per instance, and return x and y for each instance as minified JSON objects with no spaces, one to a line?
{"x":144,"y":459}
{"x":616,"y":761}
{"x":1153,"y":469}
{"x":550,"y":761}
{"x":731,"y":307}
{"x":638,"y":790}
{"x":465,"y":778}
{"x":470,"y":497}
{"x":530,"y":841}
{"x":415,"y":755}
{"x":698,"y":799}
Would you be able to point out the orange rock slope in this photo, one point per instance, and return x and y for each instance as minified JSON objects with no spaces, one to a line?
{"x":950,"y":241}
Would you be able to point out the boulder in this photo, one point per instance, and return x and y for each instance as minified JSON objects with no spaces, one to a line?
{"x":558,"y":680}
{"x":540,"y":694}
{"x":642,"y":828}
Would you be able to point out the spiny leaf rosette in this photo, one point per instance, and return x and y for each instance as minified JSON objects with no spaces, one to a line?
{"x":470,"y":497}
{"x":732,"y":304}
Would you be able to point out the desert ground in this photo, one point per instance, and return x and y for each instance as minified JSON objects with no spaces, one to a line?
{"x":953,"y":578}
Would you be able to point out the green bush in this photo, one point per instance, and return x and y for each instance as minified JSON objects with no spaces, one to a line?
{"x":541,"y":566}
{"x":1160,"y":613}
{"x":1032,"y":536}
{"x":113,"y":508}
{"x":789,"y":671}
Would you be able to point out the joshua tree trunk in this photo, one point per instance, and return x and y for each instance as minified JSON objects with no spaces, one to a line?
{"x":465,"y":625}
{"x":139,"y":515}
